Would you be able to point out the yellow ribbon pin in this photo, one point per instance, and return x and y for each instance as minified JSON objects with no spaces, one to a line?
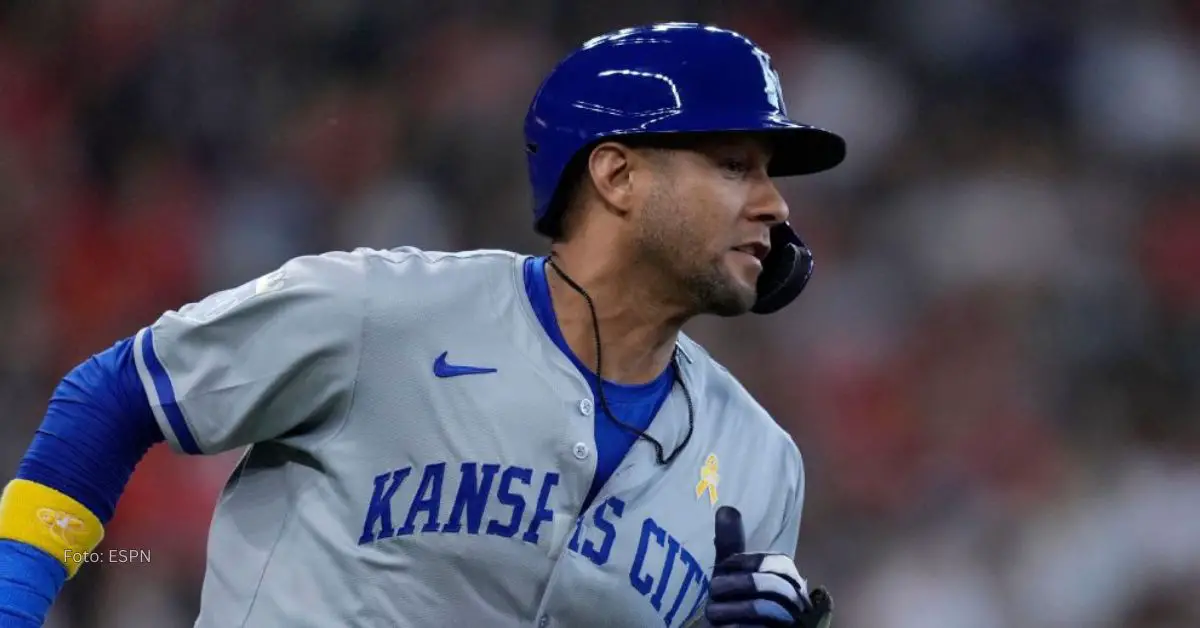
{"x":709,"y":478}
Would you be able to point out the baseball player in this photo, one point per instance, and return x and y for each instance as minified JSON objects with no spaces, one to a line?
{"x":485,"y":438}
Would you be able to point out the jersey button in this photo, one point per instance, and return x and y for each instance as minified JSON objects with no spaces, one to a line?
{"x":580,"y":450}
{"x":586,"y":407}
{"x":543,"y":621}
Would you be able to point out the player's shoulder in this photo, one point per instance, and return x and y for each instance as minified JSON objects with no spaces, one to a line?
{"x":413,"y":262}
{"x":392,"y":276}
{"x":722,"y":389}
{"x":443,"y":278}
{"x":359,"y":284}
{"x":400,"y":265}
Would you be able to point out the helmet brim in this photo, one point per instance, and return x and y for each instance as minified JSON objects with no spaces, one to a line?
{"x":797,"y":149}
{"x":800,"y":150}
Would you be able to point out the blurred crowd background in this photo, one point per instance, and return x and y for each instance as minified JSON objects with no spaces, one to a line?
{"x":993,"y":376}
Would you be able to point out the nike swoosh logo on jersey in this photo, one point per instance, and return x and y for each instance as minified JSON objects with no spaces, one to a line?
{"x":443,"y":369}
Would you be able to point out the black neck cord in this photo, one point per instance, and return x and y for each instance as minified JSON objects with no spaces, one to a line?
{"x":676,"y":374}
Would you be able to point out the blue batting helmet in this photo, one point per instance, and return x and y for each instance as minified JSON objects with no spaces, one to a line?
{"x":672,"y":78}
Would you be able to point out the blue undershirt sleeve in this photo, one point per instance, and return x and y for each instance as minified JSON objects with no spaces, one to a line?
{"x":98,"y":426}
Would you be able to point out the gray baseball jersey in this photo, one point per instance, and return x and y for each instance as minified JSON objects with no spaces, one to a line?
{"x":420,"y":452}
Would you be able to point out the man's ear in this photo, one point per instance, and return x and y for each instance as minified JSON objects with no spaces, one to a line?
{"x":611,"y":167}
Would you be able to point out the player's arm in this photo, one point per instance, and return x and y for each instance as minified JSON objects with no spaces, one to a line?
{"x":97,"y":426}
{"x":274,"y":358}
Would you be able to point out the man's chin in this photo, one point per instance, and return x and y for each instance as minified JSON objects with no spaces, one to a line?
{"x":733,"y":301}
{"x":722,"y":292}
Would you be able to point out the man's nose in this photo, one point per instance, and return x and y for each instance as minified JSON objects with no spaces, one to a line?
{"x":768,"y":205}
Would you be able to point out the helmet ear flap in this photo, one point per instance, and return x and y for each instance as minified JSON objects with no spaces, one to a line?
{"x":785,"y":271}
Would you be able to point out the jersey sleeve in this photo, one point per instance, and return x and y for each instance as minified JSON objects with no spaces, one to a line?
{"x":272,"y":357}
{"x":786,"y":539}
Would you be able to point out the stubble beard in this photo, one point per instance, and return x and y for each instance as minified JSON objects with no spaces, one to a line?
{"x":703,"y":286}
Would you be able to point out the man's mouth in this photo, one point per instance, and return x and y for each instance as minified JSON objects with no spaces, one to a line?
{"x":757,"y":250}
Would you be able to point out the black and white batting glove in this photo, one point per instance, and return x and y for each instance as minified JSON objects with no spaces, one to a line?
{"x":759,"y":589}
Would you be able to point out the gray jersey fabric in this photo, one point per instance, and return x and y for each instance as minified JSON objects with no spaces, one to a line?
{"x":420,"y":449}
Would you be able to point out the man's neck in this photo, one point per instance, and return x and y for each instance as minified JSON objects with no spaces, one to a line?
{"x":637,"y":328}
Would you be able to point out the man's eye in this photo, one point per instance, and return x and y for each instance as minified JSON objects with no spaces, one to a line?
{"x":739,"y":166}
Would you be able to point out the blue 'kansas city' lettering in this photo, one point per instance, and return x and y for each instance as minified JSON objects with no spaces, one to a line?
{"x":517,"y":489}
{"x":663,"y":571}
